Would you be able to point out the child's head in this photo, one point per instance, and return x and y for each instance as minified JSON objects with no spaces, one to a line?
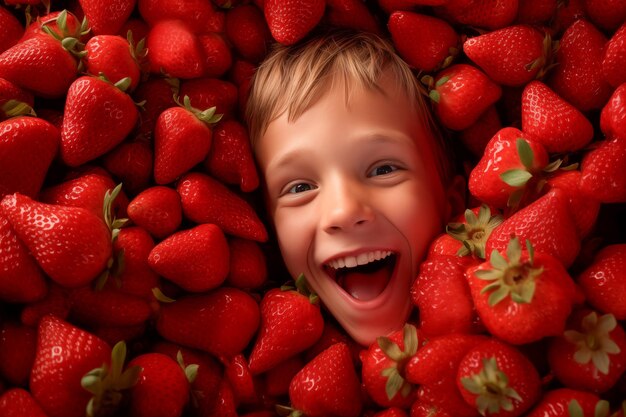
{"x":353,"y":173}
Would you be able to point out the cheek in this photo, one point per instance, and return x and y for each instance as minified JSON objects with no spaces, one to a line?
{"x":294,"y":237}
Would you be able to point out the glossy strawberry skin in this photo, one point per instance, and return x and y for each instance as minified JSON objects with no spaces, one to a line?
{"x":108,"y":308}
{"x":217,"y":54}
{"x":290,"y":20}
{"x":11,"y":30}
{"x":199,"y":15}
{"x":158,"y":210}
{"x":613,"y":115}
{"x":247,"y":31}
{"x":111,"y":55}
{"x":17,"y":402}
{"x":614,"y":60}
{"x":107,"y":17}
{"x":605,"y":161}
{"x":556,"y":401}
{"x":487,"y":14}
{"x":248,"y":266}
{"x":175,"y":49}
{"x":132,"y":163}
{"x":205,"y":92}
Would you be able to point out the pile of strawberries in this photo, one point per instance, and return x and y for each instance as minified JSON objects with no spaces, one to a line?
{"x":134,"y":274}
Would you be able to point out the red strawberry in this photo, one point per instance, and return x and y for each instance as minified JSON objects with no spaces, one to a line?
{"x":158,"y":210}
{"x":536,"y":11}
{"x":17,"y":402}
{"x":248,"y":267}
{"x":16,"y":96}
{"x":607,"y":14}
{"x":352,"y":14}
{"x":64,"y":355}
{"x":488,"y":14}
{"x":61,"y":23}
{"x":425,"y":42}
{"x":115,"y":57}
{"x":230,"y":159}
{"x":290,"y":20}
{"x":603,"y":163}
{"x":591,"y":353}
{"x":336,"y":390}
{"x":291,"y":322}
{"x":238,"y":374}
{"x":56,"y":303}
{"x":547,"y":223}
{"x":472,"y":230}
{"x":476,"y":137}
{"x":162,"y":389}
{"x":552,"y":121}
{"x":27,"y":147}
{"x":131,"y":163}
{"x":613,"y":116}
{"x":603,"y":283}
{"x":196,"y":259}
{"x":578,"y":77}
{"x":221,"y":322}
{"x":333,"y":334}
{"x":422,"y":409}
{"x":217,"y":55}
{"x":511,"y":56}
{"x":508,"y":170}
{"x":247,"y":31}
{"x":17,"y":352}
{"x":108,"y":308}
{"x":461,"y":94}
{"x":157,"y":94}
{"x":206,"y":200}
{"x":384,"y":368}
{"x":211,"y":92}
{"x":200,"y":15}
{"x":116,"y":334}
{"x":107,"y":17}
{"x":554,"y":403}
{"x":524,"y":297}
{"x":11,"y":31}
{"x":98,"y":116}
{"x":276,"y":380}
{"x":614,"y":60}
{"x":497,"y":378}
{"x":85,"y":239}
{"x":137,"y":27}
{"x":182,"y":139}
{"x":391,"y":412}
{"x":175,"y":49}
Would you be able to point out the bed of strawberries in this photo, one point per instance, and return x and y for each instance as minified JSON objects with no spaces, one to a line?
{"x":137,"y":274}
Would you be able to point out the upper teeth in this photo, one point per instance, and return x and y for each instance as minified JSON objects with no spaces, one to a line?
{"x":361,"y":259}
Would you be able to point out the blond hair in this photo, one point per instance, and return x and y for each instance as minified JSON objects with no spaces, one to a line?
{"x":292,"y":78}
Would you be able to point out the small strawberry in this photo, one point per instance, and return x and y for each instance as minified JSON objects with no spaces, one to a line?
{"x":614,"y":60}
{"x":199,"y":15}
{"x":131,"y":164}
{"x":175,"y":49}
{"x":247,"y":31}
{"x":555,"y":402}
{"x":206,"y":200}
{"x":591,"y":354}
{"x":98,"y":116}
{"x":240,"y":378}
{"x":17,"y":352}
{"x":196,"y":259}
{"x":217,"y":55}
{"x":211,"y":92}
{"x":603,"y":283}
{"x":510,"y":56}
{"x":290,"y":21}
{"x":461,"y":93}
{"x":552,"y":121}
{"x":602,"y":163}
{"x":425,"y":42}
{"x":607,"y":14}
{"x":107,"y":17}
{"x":108,"y":308}
{"x":248,"y":266}
{"x":473,"y":229}
{"x":85,"y":239}
{"x":11,"y":31}
{"x":157,"y":209}
{"x":613,"y":115}
{"x":487,"y":14}
{"x":336,"y":390}
{"x":17,"y":402}
{"x":115,"y":57}
{"x":291,"y":322}
{"x":498,"y":379}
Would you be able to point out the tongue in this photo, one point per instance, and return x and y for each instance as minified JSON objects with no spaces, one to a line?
{"x":366,"y":286}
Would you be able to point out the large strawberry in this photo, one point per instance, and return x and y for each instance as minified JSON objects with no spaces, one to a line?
{"x":17,"y":402}
{"x":158,"y":210}
{"x":107,"y":17}
{"x":98,"y":116}
{"x":85,"y":239}
{"x":291,"y":322}
{"x":115,"y":57}
{"x":175,"y":49}
{"x":289,"y":21}
{"x":64,"y":355}
{"x":602,"y":163}
{"x":336,"y":390}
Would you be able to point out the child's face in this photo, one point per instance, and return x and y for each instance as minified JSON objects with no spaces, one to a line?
{"x":351,"y":185}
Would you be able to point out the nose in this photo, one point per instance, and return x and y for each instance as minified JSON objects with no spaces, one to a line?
{"x":345,"y":205}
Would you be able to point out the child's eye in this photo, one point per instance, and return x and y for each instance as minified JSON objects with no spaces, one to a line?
{"x":383,"y":170}
{"x":300,"y":188}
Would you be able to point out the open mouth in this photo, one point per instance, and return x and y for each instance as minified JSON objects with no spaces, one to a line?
{"x":364,"y":277}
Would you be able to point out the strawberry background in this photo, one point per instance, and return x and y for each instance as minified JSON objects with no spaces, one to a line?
{"x":180,"y":264}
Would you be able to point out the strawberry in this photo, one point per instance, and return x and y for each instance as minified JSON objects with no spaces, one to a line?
{"x":599,"y":164}
{"x":487,"y":14}
{"x":422,"y":409}
{"x":27,"y":147}
{"x":17,"y":350}
{"x":607,"y":14}
{"x":158,"y":210}
{"x":217,"y":55}
{"x":199,"y":15}
{"x":107,"y":17}
{"x":182,"y":139}
{"x":56,"y":303}
{"x":131,"y":164}
{"x":614,"y":60}
{"x":108,"y":308}
{"x":211,"y":92}
{"x":547,"y":223}
{"x":291,"y":322}
{"x":578,"y":76}
{"x":472,"y":230}
{"x":85,"y":239}
{"x":425,"y":42}
{"x":384,"y":368}
{"x":290,"y":20}
{"x":157,"y":94}
{"x":391,"y":412}
{"x":240,"y":378}
{"x":443,"y":297}
{"x":461,"y":93}
{"x":226,"y":404}
{"x":613,"y":116}
{"x":496,"y":378}
{"x":476,"y":137}
{"x":276,"y":380}
{"x":591,"y":354}
{"x":352,"y":14}
{"x":508,"y":170}
{"x":536,"y":12}
{"x":248,"y":267}
{"x":98,"y":116}
{"x":116,"y":334}
{"x":336,"y":389}
{"x":61,"y":23}
{"x":175,"y":49}
{"x":523,"y":297}
{"x":247,"y":31}
{"x":568,"y":13}
{"x":556,"y":401}
{"x":137,"y":27}
{"x":333,"y":334}
{"x":230,"y":158}
{"x":552,"y":121}
{"x":64,"y":354}
{"x":510,"y":56}
{"x":206,"y":200}
{"x":603,"y":283}
{"x":11,"y":31}
{"x":11,"y":96}
{"x":115,"y":57}
{"x":163,"y":387}
{"x":17,"y":402}
{"x":221,"y":322}
{"x":196,"y":259}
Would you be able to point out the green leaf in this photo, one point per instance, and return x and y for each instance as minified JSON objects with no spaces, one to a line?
{"x":434,"y":96}
{"x":602,"y":409}
{"x":574,"y":409}
{"x":393,"y":385}
{"x":498,"y":295}
{"x":442,"y":81}
{"x":516,"y":177}
{"x":525,"y":153}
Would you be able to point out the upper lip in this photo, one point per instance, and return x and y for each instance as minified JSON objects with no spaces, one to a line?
{"x":360,"y":257}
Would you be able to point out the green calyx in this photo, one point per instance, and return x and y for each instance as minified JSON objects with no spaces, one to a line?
{"x":285,"y":411}
{"x":394,"y":374}
{"x":107,"y":383}
{"x":518,"y":177}
{"x":207,"y":116}
{"x":115,"y":264}
{"x":475,"y":232}
{"x":191,"y":371}
{"x":594,"y":343}
{"x":70,"y":40}
{"x":491,"y":386}
{"x":14,"y":108}
{"x":159,"y":296}
{"x":302,"y":287}
{"x":602,"y":409}
{"x":511,"y":276}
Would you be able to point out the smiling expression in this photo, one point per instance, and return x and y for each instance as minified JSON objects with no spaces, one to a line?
{"x":355,"y":197}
